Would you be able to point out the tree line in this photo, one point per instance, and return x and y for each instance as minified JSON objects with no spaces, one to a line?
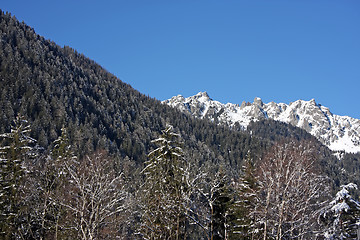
{"x":55,"y":195}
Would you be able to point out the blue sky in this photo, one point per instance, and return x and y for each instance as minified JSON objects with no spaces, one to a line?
{"x":278,"y":50}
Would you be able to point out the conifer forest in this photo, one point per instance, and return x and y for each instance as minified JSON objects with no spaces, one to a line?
{"x":85,"y":156}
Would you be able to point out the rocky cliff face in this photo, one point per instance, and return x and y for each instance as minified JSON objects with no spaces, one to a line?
{"x":337,"y":132}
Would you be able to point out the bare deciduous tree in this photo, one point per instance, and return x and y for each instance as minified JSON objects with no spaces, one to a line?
{"x":95,"y":198}
{"x":291,"y":190}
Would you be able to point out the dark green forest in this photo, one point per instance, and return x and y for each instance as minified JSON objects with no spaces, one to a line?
{"x":78,"y":121}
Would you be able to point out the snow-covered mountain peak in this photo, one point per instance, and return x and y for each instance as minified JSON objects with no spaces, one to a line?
{"x":337,"y":132}
{"x":202,"y":96}
{"x":258,"y":101}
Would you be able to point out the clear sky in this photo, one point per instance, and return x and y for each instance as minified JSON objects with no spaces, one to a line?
{"x":236,"y":50}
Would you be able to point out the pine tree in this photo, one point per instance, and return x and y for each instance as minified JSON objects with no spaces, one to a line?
{"x":16,"y":148}
{"x":342,"y":216}
{"x":164,"y":191}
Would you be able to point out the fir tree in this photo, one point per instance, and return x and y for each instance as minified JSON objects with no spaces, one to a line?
{"x":16,"y":147}
{"x":342,"y":216}
{"x":164,"y":189}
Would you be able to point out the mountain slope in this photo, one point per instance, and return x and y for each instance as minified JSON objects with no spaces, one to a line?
{"x":336,"y":132}
{"x":54,"y":87}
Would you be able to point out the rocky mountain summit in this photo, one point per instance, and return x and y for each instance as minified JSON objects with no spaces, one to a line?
{"x":339,"y":133}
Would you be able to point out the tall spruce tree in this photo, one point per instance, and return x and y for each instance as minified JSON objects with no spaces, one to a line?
{"x":164,"y":191}
{"x":16,"y":147}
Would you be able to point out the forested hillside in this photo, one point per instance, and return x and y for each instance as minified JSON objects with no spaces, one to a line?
{"x":68,"y":125}
{"x":56,"y":87}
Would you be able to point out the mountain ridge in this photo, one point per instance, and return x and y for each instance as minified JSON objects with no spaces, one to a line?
{"x":339,"y":133}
